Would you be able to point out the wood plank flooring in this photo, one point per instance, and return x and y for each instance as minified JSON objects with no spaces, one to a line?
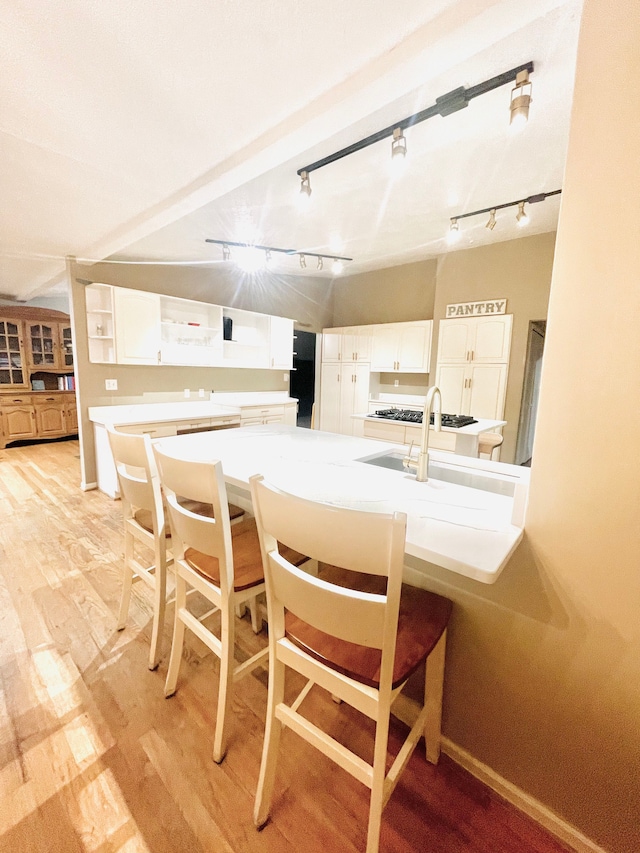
{"x":94,"y":758}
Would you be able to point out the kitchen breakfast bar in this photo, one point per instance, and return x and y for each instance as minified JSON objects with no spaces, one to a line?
{"x":467,"y":518}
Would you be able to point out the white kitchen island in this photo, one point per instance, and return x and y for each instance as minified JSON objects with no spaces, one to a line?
{"x":470,"y":529}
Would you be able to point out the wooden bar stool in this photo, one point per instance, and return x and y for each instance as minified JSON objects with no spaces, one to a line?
{"x":488,"y":442}
{"x":359,"y":641}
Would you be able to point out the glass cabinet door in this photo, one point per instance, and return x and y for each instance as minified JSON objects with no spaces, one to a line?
{"x":11,"y":364}
{"x":66,"y":346}
{"x":41,"y":342}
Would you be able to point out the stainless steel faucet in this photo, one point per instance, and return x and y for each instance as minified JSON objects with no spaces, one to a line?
{"x":422,"y":463}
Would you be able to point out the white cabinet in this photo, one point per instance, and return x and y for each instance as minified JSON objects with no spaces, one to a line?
{"x":247,"y":344}
{"x":475,"y":340}
{"x":344,"y":391}
{"x":281,"y":413}
{"x":401,"y":347}
{"x":100,"y":326}
{"x":137,"y":326}
{"x":349,"y":343}
{"x":473,"y":356}
{"x":191,"y":332}
{"x":280,"y":343}
{"x":473,"y":389}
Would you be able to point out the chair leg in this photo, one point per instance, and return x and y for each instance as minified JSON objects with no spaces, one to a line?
{"x":178,"y":637}
{"x":159,"y":605}
{"x":271,"y":744}
{"x":225,"y":689}
{"x":256,"y":618}
{"x":127,"y":581}
{"x":433,"y":688}
{"x":376,"y":802}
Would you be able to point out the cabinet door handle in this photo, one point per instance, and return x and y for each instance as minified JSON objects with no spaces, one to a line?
{"x":472,"y":354}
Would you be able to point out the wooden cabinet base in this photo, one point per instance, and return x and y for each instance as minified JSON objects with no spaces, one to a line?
{"x":37,"y":417}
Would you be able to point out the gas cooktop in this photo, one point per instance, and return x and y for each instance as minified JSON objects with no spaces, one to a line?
{"x":411,"y":416}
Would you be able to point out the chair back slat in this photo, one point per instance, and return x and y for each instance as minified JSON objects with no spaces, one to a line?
{"x":358,"y":540}
{"x":137,"y":472}
{"x":356,"y":617}
{"x":202,"y":482}
{"x":354,"y":540}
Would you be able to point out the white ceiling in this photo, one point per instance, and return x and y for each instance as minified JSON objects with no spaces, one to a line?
{"x":135,"y":130}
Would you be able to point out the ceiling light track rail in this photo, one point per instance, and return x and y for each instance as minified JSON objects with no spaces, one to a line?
{"x":445,"y":105}
{"x":532,"y":199}
{"x":275,"y":249}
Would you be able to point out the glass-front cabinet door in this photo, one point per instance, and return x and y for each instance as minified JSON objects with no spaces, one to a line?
{"x":42,"y":340}
{"x":66,"y":346}
{"x":12,"y":367}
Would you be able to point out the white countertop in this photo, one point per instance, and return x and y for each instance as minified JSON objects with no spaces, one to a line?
{"x":466,"y":530}
{"x":220,"y":405}
{"x":149,"y":413}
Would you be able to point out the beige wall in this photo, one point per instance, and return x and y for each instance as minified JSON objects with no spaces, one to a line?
{"x":518,"y":270}
{"x":390,"y":295}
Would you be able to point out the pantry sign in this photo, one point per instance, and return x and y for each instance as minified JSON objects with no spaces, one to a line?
{"x":475,"y":309}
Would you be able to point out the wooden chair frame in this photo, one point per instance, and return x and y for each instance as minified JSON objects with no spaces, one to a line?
{"x":367,"y":542}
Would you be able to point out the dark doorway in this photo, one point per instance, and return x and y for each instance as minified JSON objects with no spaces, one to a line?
{"x":303,"y":376}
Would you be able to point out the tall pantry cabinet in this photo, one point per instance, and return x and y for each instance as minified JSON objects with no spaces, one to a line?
{"x":473,"y":361}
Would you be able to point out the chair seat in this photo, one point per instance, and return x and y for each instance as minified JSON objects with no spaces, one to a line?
{"x":143,"y":516}
{"x":489,"y":441}
{"x":247,"y":558}
{"x":422,"y":620}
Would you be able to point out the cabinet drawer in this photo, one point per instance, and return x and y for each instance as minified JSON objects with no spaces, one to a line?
{"x":152,"y":430}
{"x":15,"y":400}
{"x":384,"y":431}
{"x":261,"y":412}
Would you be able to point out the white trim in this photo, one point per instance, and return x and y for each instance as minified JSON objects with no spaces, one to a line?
{"x":87,"y":487}
{"x":521,"y":800}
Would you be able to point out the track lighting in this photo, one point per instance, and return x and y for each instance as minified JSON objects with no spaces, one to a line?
{"x":398,"y":145}
{"x":444,"y":105}
{"x":520,"y":100}
{"x":521,"y":216}
{"x":305,"y":187}
{"x":251,"y":258}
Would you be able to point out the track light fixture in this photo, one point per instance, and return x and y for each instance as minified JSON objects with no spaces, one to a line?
{"x":520,"y":100}
{"x":398,"y":145}
{"x":446,"y":104}
{"x":252,"y":260}
{"x":522,"y":217}
{"x":305,"y":187}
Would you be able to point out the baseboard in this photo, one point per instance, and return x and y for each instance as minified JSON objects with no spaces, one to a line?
{"x":521,"y":800}
{"x":87,"y":487}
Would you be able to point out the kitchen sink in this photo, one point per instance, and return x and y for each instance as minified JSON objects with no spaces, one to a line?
{"x":486,"y":481}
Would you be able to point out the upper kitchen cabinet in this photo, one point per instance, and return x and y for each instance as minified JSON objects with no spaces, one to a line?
{"x":12,"y":360}
{"x":246,"y":339}
{"x":191,"y":332}
{"x":401,"y":347}
{"x":137,"y":326}
{"x":49,"y":345}
{"x":280,"y":343}
{"x":477,"y":340}
{"x":347,"y":344}
{"x":100,"y":324}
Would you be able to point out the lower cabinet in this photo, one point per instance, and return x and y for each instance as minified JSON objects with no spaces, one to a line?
{"x":473,"y":389}
{"x":34,"y":416}
{"x":277,"y":414}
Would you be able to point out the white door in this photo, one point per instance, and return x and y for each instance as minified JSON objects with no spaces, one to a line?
{"x":358,"y":376}
{"x":414,"y":344}
{"x":487,"y":391}
{"x":330,"y":397}
{"x":331,"y":345}
{"x":493,"y":339}
{"x":281,"y":343}
{"x":384,"y":348}
{"x":452,"y":380}
{"x":454,"y":340}
{"x":137,"y":326}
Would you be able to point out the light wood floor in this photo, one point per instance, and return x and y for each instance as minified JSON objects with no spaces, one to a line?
{"x":94,"y":758}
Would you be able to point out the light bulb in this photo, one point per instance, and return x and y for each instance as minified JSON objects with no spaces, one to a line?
{"x":304,"y":196}
{"x":250,"y":259}
{"x":491,"y":224}
{"x":521,"y":216}
{"x":520,"y":101}
{"x":453,"y":235}
{"x":336,"y":267}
